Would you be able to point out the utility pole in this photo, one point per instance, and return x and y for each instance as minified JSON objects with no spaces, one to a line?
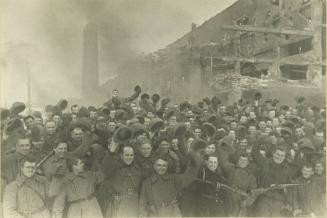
{"x":29,"y":101}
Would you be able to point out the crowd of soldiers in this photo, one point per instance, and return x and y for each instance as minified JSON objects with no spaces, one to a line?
{"x":145,"y":156}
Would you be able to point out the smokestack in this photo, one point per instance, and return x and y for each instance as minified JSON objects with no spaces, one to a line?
{"x":90,"y":76}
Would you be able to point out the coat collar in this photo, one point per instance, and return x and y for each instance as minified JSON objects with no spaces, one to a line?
{"x":156,"y":177}
{"x":71,"y":176}
{"x":21,"y":179}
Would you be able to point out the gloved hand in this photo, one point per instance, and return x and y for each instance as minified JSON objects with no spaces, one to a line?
{"x":155,"y":98}
{"x":137,"y":89}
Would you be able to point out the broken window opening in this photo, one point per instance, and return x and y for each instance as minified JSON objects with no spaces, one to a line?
{"x":294,"y":72}
{"x":244,"y":20}
{"x":297,"y":47}
{"x":249,"y":69}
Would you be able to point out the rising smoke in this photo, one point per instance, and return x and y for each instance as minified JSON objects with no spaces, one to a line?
{"x":47,"y":34}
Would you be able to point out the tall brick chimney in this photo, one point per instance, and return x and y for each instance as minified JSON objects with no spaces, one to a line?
{"x":90,"y":75}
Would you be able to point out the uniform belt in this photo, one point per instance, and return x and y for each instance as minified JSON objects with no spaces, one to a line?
{"x":34,"y":211}
{"x":212,"y":197}
{"x":127,"y":192}
{"x":166,"y":204}
{"x":83,"y":199}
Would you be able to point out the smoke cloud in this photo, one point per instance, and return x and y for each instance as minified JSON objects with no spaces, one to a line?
{"x":45,"y":38}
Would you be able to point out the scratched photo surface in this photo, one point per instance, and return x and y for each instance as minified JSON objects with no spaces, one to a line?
{"x":162,"y":108}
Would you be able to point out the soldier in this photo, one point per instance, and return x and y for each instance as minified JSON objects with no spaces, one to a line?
{"x":10,"y":166}
{"x":55,"y":168}
{"x":212,"y":198}
{"x":26,"y":196}
{"x":50,"y":135}
{"x":122,"y":187}
{"x":273,"y":171}
{"x":160,"y":191}
{"x":115,"y":97}
{"x":307,"y":199}
{"x":143,"y":158}
{"x":241,"y":178}
{"x":79,"y":189}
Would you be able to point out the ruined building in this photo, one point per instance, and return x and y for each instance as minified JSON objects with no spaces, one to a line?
{"x":273,"y":46}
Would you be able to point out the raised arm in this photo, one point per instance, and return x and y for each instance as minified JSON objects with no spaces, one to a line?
{"x":192,"y":170}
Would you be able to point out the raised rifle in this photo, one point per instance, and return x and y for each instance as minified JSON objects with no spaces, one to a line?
{"x":224,"y":186}
{"x":44,"y":159}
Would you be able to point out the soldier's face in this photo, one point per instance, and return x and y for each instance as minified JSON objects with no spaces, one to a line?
{"x":320,"y":136}
{"x":28,"y":169}
{"x":111,"y":126}
{"x":275,"y":122}
{"x":243,"y":143}
{"x":189,"y":142}
{"x":252,"y":115}
{"x":233,"y":125}
{"x":128,"y":155}
{"x":77,"y":135}
{"x":298,"y":132}
{"x":112,"y":114}
{"x":262,"y":125}
{"x":197,"y":133}
{"x":134,"y":108}
{"x":279,"y":156}
{"x":232,"y":134}
{"x":252,"y":130}
{"x":61,"y":149}
{"x":29,"y":122}
{"x":268,"y":130}
{"x":150,"y":115}
{"x":212,"y":163}
{"x":172,"y":121}
{"x":307,"y":172}
{"x":75,"y":109}
{"x":145,"y":150}
{"x":164,"y":146}
{"x":115,"y":93}
{"x":38,"y":144}
{"x":147,"y":121}
{"x":271,"y":114}
{"x":243,"y":162}
{"x":319,"y":168}
{"x":38,"y":121}
{"x":161,"y":166}
{"x":50,"y":128}
{"x":23,"y":146}
{"x":187,"y":124}
{"x":243,"y":119}
{"x":210,"y":149}
{"x":93,"y":114}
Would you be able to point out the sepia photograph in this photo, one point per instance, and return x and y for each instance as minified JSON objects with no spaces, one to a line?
{"x":162,"y":108}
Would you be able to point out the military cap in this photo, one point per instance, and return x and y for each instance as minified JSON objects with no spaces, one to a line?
{"x":155,"y":97}
{"x":156,"y":124}
{"x":145,"y":96}
{"x":209,"y":128}
{"x":17,"y":107}
{"x":123,"y":134}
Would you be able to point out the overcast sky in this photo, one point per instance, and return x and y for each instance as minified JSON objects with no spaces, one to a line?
{"x":45,"y":37}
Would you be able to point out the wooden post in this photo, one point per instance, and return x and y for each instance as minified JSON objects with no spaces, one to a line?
{"x":315,"y":71}
{"x":29,"y":100}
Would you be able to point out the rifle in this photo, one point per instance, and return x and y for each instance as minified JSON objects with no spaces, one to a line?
{"x":259,"y":191}
{"x":44,"y":159}
{"x":227,"y":187}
